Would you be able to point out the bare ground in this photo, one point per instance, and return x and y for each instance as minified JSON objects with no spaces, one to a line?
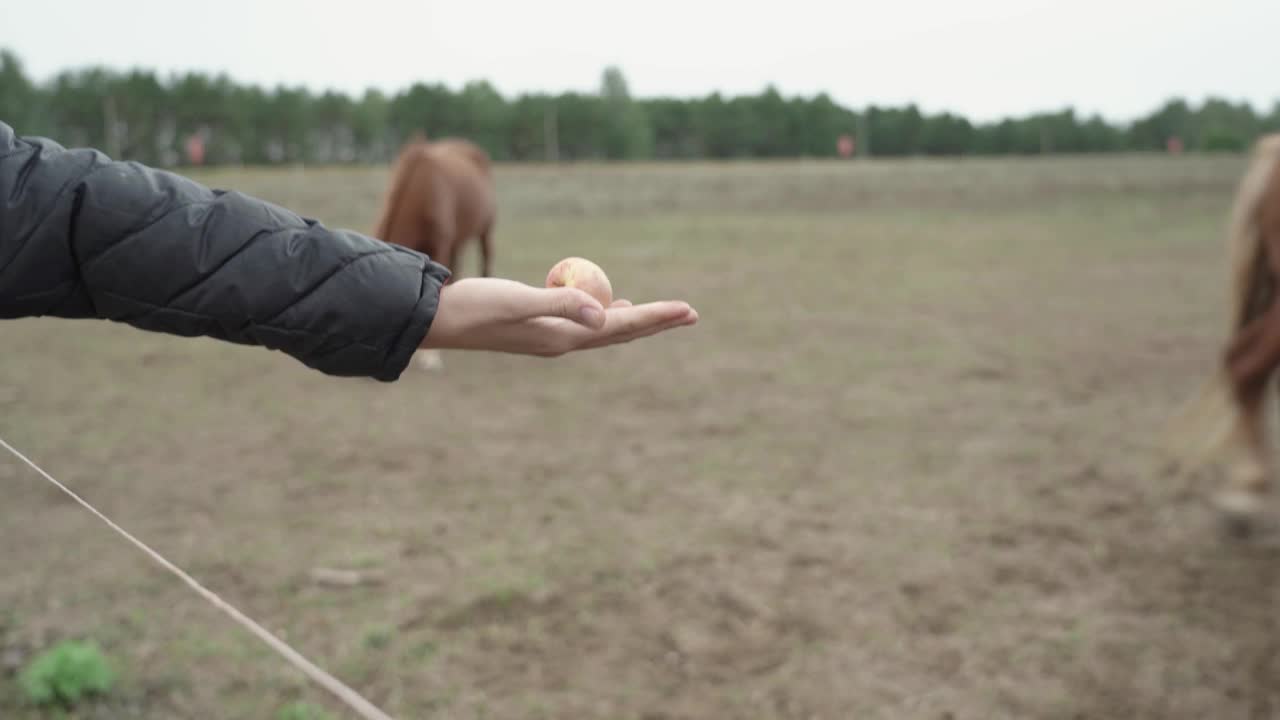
{"x":905,"y":467}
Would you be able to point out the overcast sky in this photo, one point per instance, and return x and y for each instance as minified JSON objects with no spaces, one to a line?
{"x":981,"y":58}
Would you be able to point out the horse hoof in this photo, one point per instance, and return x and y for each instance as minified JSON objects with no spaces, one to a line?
{"x":430,"y":360}
{"x":1240,"y":513}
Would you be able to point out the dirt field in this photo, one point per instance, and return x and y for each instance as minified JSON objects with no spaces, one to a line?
{"x":903,"y":468}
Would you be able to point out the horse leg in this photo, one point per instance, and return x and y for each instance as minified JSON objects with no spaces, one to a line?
{"x":444,"y":252}
{"x":1251,"y":359}
{"x":486,"y":251}
{"x":450,"y":259}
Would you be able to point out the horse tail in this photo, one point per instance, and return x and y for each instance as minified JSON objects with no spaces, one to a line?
{"x":1214,"y":409}
{"x":406,"y":163}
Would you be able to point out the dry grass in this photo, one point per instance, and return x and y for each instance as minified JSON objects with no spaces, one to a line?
{"x":902,"y":468}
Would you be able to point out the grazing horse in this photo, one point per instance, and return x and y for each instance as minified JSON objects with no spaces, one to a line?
{"x":1234,"y":400}
{"x":441,"y":196}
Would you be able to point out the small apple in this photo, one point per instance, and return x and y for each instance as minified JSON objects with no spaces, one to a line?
{"x":576,"y":272}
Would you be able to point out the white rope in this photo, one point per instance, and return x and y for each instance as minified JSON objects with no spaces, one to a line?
{"x":362,"y":707}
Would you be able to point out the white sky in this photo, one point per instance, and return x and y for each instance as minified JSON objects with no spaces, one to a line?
{"x":981,"y":58}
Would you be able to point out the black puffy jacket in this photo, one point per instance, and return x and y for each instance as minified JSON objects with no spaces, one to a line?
{"x":82,"y":236}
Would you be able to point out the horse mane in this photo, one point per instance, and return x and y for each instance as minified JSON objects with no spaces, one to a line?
{"x":1248,"y":277}
{"x":1244,"y":241}
{"x":476,"y":153}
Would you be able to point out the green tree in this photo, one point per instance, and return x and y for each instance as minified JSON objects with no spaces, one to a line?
{"x":628,"y":135}
{"x":140,"y":115}
{"x":18,"y":95}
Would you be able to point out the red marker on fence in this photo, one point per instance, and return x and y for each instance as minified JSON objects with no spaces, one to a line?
{"x":845,"y":146}
{"x":195,"y":149}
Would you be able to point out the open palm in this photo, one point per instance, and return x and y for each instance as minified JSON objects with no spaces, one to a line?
{"x":507,"y":316}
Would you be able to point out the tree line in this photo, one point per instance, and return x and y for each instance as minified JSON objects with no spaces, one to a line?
{"x":140,"y":115}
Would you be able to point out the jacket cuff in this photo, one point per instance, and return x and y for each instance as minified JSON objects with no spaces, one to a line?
{"x":421,"y":316}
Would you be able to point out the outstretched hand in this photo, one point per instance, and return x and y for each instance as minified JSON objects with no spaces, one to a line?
{"x":508,"y":316}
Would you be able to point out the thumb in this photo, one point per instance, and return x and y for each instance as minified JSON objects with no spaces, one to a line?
{"x":570,"y":303}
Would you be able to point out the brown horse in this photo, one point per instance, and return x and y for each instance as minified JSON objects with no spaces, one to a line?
{"x":1234,"y":400}
{"x":441,"y":196}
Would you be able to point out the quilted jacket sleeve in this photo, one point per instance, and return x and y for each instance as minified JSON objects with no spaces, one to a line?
{"x":82,"y":236}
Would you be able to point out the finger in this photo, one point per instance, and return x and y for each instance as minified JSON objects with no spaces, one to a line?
{"x":554,"y":336}
{"x":569,"y":303}
{"x":620,"y":303}
{"x":631,"y":321}
{"x":625,"y":320}
{"x":640,"y":331}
